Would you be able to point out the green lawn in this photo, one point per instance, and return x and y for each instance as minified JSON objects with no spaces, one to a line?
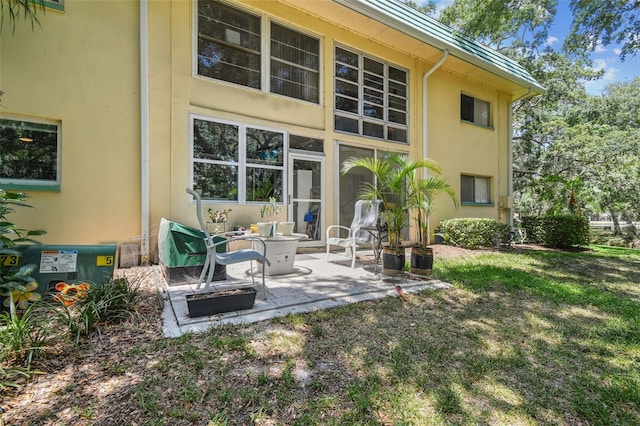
{"x":534,"y":337}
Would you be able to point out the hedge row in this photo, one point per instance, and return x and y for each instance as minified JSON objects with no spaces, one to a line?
{"x":473,"y":232}
{"x":562,"y":231}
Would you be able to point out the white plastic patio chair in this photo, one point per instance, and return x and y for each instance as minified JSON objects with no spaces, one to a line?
{"x":229,"y":257}
{"x":365,"y":215}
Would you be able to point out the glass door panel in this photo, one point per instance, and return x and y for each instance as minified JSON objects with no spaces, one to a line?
{"x":351,"y":182}
{"x":306,"y":208}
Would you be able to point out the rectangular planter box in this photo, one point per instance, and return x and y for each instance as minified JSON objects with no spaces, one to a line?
{"x":217,"y":302}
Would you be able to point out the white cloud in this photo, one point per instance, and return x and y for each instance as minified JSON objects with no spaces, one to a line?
{"x":599,"y":47}
{"x":610,"y":73}
{"x":441,"y":4}
{"x":551,"y":40}
{"x":617,"y":51}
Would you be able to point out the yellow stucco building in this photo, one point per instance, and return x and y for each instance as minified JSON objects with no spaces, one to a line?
{"x":121,"y":105}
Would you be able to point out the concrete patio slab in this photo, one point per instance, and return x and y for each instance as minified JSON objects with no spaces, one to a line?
{"x":315,"y":284}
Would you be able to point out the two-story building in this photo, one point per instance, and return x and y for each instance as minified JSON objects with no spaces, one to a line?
{"x":112,"y":109}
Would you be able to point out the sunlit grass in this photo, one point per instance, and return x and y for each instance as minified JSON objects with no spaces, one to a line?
{"x":523,"y":338}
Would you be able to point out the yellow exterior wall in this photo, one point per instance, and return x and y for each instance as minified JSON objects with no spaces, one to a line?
{"x":457,"y":147}
{"x":81,"y":69}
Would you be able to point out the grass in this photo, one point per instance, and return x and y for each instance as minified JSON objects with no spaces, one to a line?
{"x":526,"y":338}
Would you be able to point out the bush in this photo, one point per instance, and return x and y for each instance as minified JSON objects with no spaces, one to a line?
{"x":561,"y":231}
{"x":473,"y":232}
{"x":111,"y":303}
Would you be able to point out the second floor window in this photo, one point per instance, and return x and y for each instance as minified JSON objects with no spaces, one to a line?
{"x":230,"y":49}
{"x":474,"y":111}
{"x":371,"y":97}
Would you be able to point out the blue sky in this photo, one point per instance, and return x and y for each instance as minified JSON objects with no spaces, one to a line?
{"x":604,"y":57}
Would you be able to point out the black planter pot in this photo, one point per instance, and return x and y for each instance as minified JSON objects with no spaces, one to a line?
{"x":392,"y":261}
{"x":217,"y":302}
{"x":421,"y":260}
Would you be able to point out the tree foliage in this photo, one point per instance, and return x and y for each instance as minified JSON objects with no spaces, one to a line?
{"x":595,"y":22}
{"x":573,"y":153}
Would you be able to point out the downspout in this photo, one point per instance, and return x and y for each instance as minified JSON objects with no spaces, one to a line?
{"x":510,"y":168}
{"x":144,"y":132}
{"x":425,"y":117}
{"x":425,"y":137}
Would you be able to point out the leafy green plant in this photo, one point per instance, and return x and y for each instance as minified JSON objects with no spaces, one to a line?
{"x":473,"y":232}
{"x":423,"y":193}
{"x":111,"y":303}
{"x":13,"y":277}
{"x":23,"y":337}
{"x":561,"y":231}
{"x":270,"y":210}
{"x":393,"y":176}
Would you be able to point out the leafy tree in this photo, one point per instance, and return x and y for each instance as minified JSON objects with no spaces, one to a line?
{"x":572,"y":151}
{"x":595,"y":22}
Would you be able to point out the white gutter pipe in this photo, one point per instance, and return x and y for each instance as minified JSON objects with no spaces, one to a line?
{"x":144,"y":132}
{"x":425,"y":118}
{"x":510,"y":168}
{"x":425,"y":115}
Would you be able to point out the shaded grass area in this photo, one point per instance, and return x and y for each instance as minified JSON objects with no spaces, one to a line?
{"x":529,"y":337}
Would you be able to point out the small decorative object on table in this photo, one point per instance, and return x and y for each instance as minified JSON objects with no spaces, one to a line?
{"x":218,"y":221}
{"x":217,"y":302}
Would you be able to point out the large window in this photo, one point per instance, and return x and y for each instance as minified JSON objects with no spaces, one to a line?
{"x":29,"y":152}
{"x":475,"y":189}
{"x":371,"y":97}
{"x":237,"y":162}
{"x":295,"y":64}
{"x":474,"y":111}
{"x":230,"y":49}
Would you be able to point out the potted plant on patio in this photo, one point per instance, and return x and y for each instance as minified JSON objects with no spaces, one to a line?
{"x":423,"y":191}
{"x":393,"y":177}
{"x":269,"y":211}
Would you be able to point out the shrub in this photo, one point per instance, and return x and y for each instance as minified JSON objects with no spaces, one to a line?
{"x":13,"y":277}
{"x":110,"y":303}
{"x":473,"y":232}
{"x":561,"y":231}
{"x":23,"y":337}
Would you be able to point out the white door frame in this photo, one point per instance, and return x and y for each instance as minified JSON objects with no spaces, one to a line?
{"x":305,"y":156}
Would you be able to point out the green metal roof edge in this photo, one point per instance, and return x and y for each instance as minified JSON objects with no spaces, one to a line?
{"x":407,"y":20}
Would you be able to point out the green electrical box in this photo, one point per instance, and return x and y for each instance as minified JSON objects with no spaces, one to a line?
{"x":69,"y":263}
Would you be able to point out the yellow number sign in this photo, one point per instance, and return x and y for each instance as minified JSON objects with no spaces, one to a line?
{"x":104,"y":261}
{"x":9,"y":260}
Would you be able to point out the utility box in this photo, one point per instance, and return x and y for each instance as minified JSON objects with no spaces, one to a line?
{"x":68,"y":263}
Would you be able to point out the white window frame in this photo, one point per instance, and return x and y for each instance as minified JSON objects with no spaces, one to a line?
{"x":478,"y":118}
{"x":265,"y":52}
{"x":360,"y":117}
{"x":17,"y":183}
{"x":476,"y":200}
{"x":242,"y":158}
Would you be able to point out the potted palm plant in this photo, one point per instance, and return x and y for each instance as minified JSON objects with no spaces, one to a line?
{"x":423,"y":191}
{"x":393,"y":177}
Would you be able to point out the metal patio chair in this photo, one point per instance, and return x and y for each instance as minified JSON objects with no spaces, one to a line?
{"x":227,"y":258}
{"x":365,"y":216}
